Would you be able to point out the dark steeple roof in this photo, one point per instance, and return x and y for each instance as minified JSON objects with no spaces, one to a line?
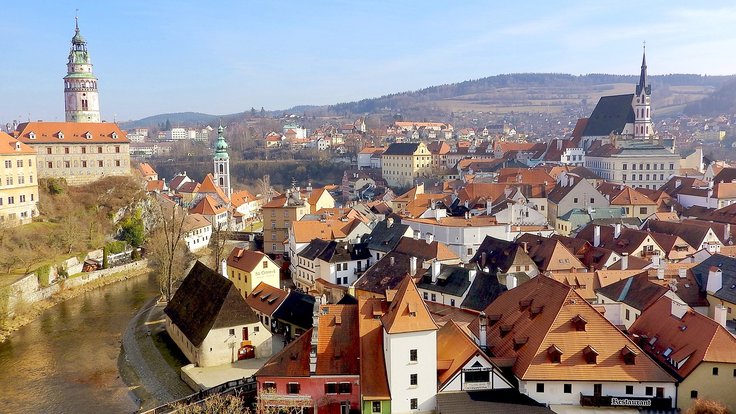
{"x":611,"y":114}
{"x":642,"y":86}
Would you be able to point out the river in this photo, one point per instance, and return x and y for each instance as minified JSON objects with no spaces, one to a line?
{"x":66,"y":361}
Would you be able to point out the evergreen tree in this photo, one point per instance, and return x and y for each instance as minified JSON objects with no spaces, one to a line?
{"x":167,"y":126}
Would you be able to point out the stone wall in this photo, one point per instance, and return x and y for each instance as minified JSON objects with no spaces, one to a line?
{"x":28,"y":290}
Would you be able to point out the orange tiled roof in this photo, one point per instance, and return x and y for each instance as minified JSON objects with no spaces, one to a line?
{"x":9,"y":145}
{"x":241,"y":197}
{"x":195,"y":221}
{"x":305,"y":231}
{"x":72,"y":132}
{"x":541,"y":315}
{"x":702,"y":338}
{"x":266,"y":298}
{"x":208,"y":206}
{"x":146,"y":169}
{"x":154,"y":185}
{"x":246,"y":260}
{"x":338,"y":342}
{"x":208,"y":186}
{"x":454,"y":346}
{"x":407,"y":312}
{"x":524,"y":175}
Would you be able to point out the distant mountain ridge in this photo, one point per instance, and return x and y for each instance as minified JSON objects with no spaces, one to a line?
{"x":522,"y":92}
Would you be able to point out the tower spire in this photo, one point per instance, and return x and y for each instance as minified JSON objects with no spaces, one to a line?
{"x":640,"y":88}
{"x":81,"y":100}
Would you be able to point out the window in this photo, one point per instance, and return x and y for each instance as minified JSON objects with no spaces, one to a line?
{"x":66,"y":150}
{"x":269,"y":386}
{"x":648,"y":391}
{"x":99,"y":150}
{"x":376,"y":407}
{"x":540,"y":387}
{"x":660,"y":392}
{"x":413,"y":404}
{"x":413,"y":355}
{"x":84,"y":164}
{"x":642,"y":210}
{"x":426,"y":296}
{"x":575,"y":200}
{"x":84,"y":150}
{"x":8,"y":164}
{"x":117,"y":163}
{"x":48,"y":150}
{"x":331,"y":388}
{"x":434,"y":297}
{"x":67,"y":164}
{"x":597,"y":390}
{"x":11,"y":200}
{"x":628,"y":316}
{"x":452,"y":302}
{"x":292,"y":388}
{"x":413,"y":380}
{"x":232,"y":332}
{"x":265,"y":264}
{"x":117,"y":149}
{"x":345,"y":388}
{"x":9,"y":181}
{"x":592,"y":200}
{"x":22,"y":198}
{"x":625,"y":166}
{"x":629,"y":390}
{"x":567,"y":389}
{"x":100,"y":164}
{"x":715,"y":370}
{"x":693,"y":394}
{"x":478,"y":376}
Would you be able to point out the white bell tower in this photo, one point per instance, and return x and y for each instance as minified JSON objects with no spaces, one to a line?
{"x":222,"y":163}
{"x":643,"y":128}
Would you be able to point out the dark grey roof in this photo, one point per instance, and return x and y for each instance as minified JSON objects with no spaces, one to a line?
{"x":348,"y":299}
{"x":507,"y":401}
{"x":453,"y":280}
{"x":314,"y":249}
{"x":296,"y":309}
{"x":205,"y":301}
{"x":339,"y":252}
{"x":405,"y":148}
{"x":384,"y":238}
{"x":499,"y":254}
{"x":484,"y":290}
{"x":383,"y":274}
{"x":636,"y":291}
{"x":611,"y":114}
{"x":727,"y":266}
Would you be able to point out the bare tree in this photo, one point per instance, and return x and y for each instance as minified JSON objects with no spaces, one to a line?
{"x":167,"y":247}
{"x":264,"y":187}
{"x":217,"y":244}
{"x":707,"y":407}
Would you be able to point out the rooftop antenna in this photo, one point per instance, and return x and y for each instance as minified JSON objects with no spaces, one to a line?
{"x":76,"y":20}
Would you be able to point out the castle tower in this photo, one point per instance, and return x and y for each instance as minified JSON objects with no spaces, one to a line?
{"x":81,"y":101}
{"x":642,"y":106}
{"x":222,"y":163}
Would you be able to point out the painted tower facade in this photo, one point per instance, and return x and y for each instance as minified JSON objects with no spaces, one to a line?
{"x":222,"y":163}
{"x":642,"y":104}
{"x":81,"y":100}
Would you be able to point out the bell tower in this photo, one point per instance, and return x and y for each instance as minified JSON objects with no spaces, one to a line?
{"x":81,"y":101}
{"x":222,"y":163}
{"x":642,"y":105}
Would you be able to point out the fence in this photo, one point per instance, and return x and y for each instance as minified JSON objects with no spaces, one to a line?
{"x":241,"y":386}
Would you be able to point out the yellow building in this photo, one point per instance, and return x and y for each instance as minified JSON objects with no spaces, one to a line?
{"x":402,"y":163}
{"x":247,"y":268}
{"x":18,"y":182}
{"x":78,"y":152}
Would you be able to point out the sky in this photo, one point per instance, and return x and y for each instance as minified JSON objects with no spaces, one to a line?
{"x":221,"y":57}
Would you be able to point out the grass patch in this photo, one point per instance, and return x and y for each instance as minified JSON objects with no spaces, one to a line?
{"x":169,"y":350}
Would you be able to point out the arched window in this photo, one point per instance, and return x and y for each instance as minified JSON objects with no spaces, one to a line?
{"x":222,"y":168}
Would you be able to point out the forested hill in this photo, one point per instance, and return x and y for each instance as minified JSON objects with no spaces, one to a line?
{"x":722,"y":100}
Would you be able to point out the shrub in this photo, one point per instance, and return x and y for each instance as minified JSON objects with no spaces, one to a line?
{"x":105,"y":260}
{"x":42,"y":274}
{"x":115,"y":247}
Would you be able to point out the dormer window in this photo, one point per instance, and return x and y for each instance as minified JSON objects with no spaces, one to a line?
{"x":590,"y":355}
{"x":17,"y":146}
{"x":412,"y":309}
{"x":493,"y":319}
{"x":524,"y":303}
{"x":535,"y":310}
{"x":31,"y":135}
{"x":60,"y":135}
{"x":519,"y":342}
{"x":114,"y":135}
{"x":554,"y":353}
{"x":578,"y":322}
{"x":629,"y":355}
{"x":505,"y":329}
{"x":88,"y":135}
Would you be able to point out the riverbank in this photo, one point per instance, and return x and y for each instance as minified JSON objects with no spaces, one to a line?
{"x":30,"y":312}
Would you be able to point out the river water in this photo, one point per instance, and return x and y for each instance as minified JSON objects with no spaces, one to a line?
{"x":66,"y":361}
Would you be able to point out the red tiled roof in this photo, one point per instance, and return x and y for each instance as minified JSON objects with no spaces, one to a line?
{"x":407,"y":312}
{"x":246,"y":260}
{"x":10,"y":145}
{"x":72,"y":132}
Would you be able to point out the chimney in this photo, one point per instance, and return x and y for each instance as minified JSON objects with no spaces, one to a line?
{"x":389,"y":222}
{"x":526,"y":246}
{"x":471,"y":275}
{"x":559,"y":145}
{"x":727,"y":231}
{"x":510,"y":282}
{"x":483,"y":258}
{"x":682,"y":273}
{"x":719,"y":315}
{"x":596,"y":236}
{"x":678,"y":183}
{"x":417,"y":234}
{"x":617,"y":230}
{"x":412,"y":265}
{"x":678,"y":309}
{"x":430,"y":238}
{"x":315,"y":336}
{"x":482,"y":331}
{"x":435,"y":271}
{"x":624,"y":261}
{"x":223,"y":268}
{"x":392,"y":261}
{"x":660,"y":273}
{"x":715,"y":280}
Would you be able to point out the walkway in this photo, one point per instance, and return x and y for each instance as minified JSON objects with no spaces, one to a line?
{"x":155,"y":374}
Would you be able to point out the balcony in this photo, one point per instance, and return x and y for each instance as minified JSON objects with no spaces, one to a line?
{"x":656,"y":403}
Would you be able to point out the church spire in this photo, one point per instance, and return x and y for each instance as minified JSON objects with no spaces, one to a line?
{"x":643,"y":87}
{"x":222,"y":162}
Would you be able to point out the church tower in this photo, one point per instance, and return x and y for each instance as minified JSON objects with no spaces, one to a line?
{"x":642,"y":106}
{"x":81,"y":102}
{"x":222,"y":163}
